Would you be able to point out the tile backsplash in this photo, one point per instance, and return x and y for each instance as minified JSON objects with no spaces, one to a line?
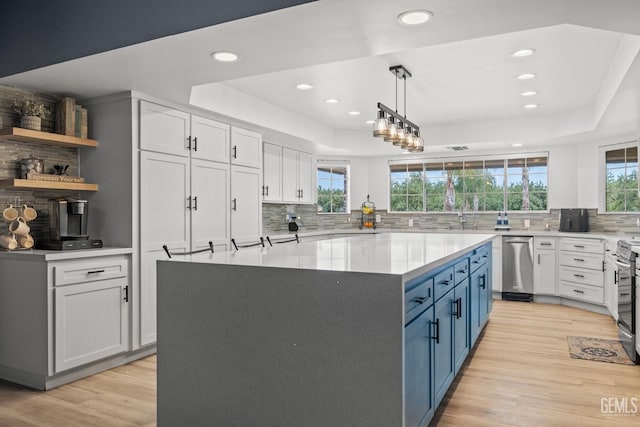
{"x":273,"y":220}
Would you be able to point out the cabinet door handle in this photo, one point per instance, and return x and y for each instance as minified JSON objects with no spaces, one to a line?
{"x":235,"y":151}
{"x":235,"y":204}
{"x":483,"y":284}
{"x":437,"y":337}
{"x":267,"y":191}
{"x":189,"y":202}
{"x":302,"y":193}
{"x":615,"y":277}
{"x":538,"y":258}
{"x":263,"y":190}
{"x":460,"y":308}
{"x":602,"y":265}
{"x":195,"y":203}
{"x":454,"y":312}
{"x":578,"y":292}
{"x":95,"y":272}
{"x":189,"y":143}
{"x":126,"y":293}
{"x":195,"y":143}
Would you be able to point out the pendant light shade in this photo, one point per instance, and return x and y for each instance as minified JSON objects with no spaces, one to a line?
{"x":392,"y":126}
{"x":381,"y":125}
{"x":393,"y":131}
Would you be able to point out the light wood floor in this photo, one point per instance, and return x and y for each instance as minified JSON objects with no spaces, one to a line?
{"x":519,"y":375}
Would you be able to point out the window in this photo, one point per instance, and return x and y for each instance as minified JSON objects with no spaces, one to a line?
{"x":333,"y":188}
{"x":483,"y":185}
{"x":621,"y":180}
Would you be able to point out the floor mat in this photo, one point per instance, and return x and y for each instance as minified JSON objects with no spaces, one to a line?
{"x":598,"y":349}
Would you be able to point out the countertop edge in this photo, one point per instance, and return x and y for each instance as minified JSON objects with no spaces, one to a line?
{"x":45,"y":255}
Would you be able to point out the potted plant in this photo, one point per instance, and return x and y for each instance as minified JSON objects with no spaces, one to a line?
{"x":31,"y":113}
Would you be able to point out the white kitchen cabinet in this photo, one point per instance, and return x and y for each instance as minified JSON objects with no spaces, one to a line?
{"x":164,"y":129}
{"x":581,"y":271}
{"x":210,"y":196}
{"x":246,"y":148}
{"x":91,"y":321}
{"x":209,"y":139}
{"x":545,"y":266}
{"x":610,"y":286}
{"x":496,"y":264}
{"x":297,"y":176}
{"x":272,"y":173}
{"x":164,"y":220}
{"x":246,"y":204}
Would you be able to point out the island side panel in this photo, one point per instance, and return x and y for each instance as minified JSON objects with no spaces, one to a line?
{"x":254,"y":346}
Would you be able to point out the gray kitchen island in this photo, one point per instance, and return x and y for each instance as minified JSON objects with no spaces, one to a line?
{"x":358,"y":331}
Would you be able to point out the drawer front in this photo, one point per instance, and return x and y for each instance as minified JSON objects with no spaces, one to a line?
{"x":582,"y":276}
{"x":593,"y":246}
{"x":479,"y":258}
{"x":544,"y":242}
{"x":582,"y":292}
{"x":582,"y":260}
{"x":461,"y":270}
{"x":442,"y":283}
{"x":89,"y":270}
{"x":417,"y":300}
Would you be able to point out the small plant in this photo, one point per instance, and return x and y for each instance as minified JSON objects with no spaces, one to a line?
{"x":30,"y":107}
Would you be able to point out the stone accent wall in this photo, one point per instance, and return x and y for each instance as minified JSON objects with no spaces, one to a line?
{"x":12,"y":152}
{"x":273,"y":220}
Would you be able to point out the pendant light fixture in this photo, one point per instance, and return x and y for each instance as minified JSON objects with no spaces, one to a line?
{"x":394,"y":127}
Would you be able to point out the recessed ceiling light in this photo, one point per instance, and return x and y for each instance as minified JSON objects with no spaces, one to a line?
{"x":526,"y":76}
{"x":224,"y":56}
{"x":531,"y":106}
{"x":331,"y":101}
{"x":415,"y":17}
{"x":370,"y":122}
{"x":354,"y":113}
{"x":517,"y":144}
{"x":521,"y":53}
{"x":528,"y":93}
{"x":304,"y":86}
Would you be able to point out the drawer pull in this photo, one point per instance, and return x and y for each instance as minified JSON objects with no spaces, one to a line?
{"x":578,"y":292}
{"x":95,"y":272}
{"x":445,"y":282}
{"x":476,"y":262}
{"x":437,"y":337}
{"x":624,"y":295}
{"x":578,"y":259}
{"x":545,"y":244}
{"x":421,"y":300}
{"x":578,"y":246}
{"x":579,"y":275}
{"x":464,"y":270}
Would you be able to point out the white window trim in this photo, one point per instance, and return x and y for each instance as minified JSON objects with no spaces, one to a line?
{"x":338,"y":164}
{"x":602,"y":181}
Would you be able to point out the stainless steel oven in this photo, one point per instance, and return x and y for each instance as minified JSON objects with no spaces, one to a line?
{"x":625,"y":282}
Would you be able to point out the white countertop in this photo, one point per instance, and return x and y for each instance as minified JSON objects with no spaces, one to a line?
{"x":387,"y":253}
{"x":35,"y":254}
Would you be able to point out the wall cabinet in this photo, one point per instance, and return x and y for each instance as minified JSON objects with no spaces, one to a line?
{"x":63,"y":314}
{"x":272,"y":173}
{"x":545,"y":266}
{"x":297,"y":176}
{"x":246,"y":148}
{"x":246,"y":203}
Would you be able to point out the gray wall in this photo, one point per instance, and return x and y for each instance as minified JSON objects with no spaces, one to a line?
{"x":44,"y":32}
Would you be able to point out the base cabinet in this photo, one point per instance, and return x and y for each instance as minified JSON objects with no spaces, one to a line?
{"x":419,"y":407}
{"x":443,"y":363}
{"x":460,"y":317}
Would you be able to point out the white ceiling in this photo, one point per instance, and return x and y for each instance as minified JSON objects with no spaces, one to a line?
{"x":463,"y":91}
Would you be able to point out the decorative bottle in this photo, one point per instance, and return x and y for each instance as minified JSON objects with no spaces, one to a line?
{"x":506,"y":219}
{"x":499,"y":221}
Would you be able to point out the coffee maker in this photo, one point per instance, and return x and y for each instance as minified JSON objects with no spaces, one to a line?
{"x":68,"y":220}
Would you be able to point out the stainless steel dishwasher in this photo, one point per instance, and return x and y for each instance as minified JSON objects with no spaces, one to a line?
{"x":517,"y":268}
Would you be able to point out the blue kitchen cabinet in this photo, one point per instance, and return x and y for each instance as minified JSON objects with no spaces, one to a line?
{"x":479,"y":300}
{"x":460,"y":316}
{"x":419,"y":407}
{"x":443,"y":366}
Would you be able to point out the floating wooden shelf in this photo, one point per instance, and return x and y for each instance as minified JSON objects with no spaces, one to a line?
{"x":27,"y":135}
{"x":29,"y":184}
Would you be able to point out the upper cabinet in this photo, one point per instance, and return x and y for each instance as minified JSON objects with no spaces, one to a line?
{"x":170,"y":131}
{"x":246,"y":148}
{"x":297,"y":176}
{"x":272,"y":176}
